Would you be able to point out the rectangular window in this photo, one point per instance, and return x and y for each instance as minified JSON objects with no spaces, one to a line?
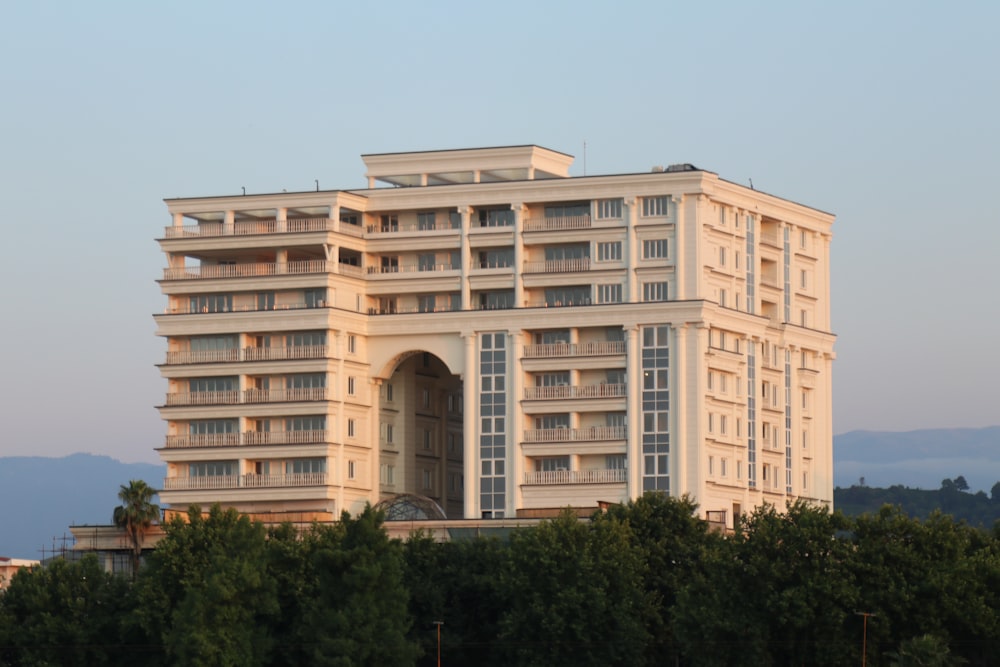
{"x":552,"y":464}
{"x":387,"y":473}
{"x":722,"y":256}
{"x":609,"y":251}
{"x":739,"y":470}
{"x":426,"y":261}
{"x":389,"y":433}
{"x":428,"y":478}
{"x":723,"y":425}
{"x":802,"y":279}
{"x":352,"y":470}
{"x":722,"y":298}
{"x":351,"y":386}
{"x":609,"y":209}
{"x":724,"y":467}
{"x":711,"y":465}
{"x":722,"y":382}
{"x":711,"y":380}
{"x":711,"y":422}
{"x":609,"y":293}
{"x":389,"y":223}
{"x":654,"y":291}
{"x":212,"y":469}
{"x":301,"y":466}
{"x":654,"y":206}
{"x":314,"y":423}
{"x":352,"y":343}
{"x":654,"y":249}
{"x":614,"y":462}
{"x":427,"y":439}
{"x":351,"y":432}
{"x":425,"y":220}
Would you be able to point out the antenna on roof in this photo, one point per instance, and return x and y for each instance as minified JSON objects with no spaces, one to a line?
{"x":751,"y":184}
{"x":244,"y":190}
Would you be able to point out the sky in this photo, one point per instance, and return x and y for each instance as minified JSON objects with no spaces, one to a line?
{"x":883,"y":113}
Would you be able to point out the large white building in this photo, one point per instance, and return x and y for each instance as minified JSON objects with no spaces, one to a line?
{"x":481,"y":328}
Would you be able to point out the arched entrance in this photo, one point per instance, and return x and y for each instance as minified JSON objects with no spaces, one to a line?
{"x":420,"y":418}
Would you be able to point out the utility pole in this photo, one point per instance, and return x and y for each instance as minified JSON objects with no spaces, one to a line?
{"x":439,"y":624}
{"x":864,"y":635}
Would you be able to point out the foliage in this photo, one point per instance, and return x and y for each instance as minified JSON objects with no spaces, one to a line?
{"x":67,"y":613}
{"x":924,"y":651}
{"x":976,"y":509}
{"x":135,"y":515}
{"x":205,"y":595}
{"x":576,"y":595}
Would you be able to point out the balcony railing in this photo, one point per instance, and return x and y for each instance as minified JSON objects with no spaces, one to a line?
{"x":244,"y":481}
{"x":203,"y":398}
{"x":248,"y":270}
{"x":246,"y":438}
{"x":248,"y":396}
{"x":284,"y":395}
{"x":558,"y":265}
{"x":203,"y":356}
{"x":575,"y":391}
{"x":438,"y":225}
{"x":187,"y":309}
{"x":575,"y":434}
{"x":568,"y":222}
{"x":616,"y":476}
{"x":411,"y":268}
{"x":592,"y":349}
{"x":283,"y":353}
{"x":253,"y":227}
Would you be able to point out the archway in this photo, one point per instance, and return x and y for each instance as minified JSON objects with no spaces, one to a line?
{"x":421,"y":439}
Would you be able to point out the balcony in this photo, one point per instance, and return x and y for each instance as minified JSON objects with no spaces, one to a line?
{"x":203,"y":398}
{"x":594,"y":433}
{"x":247,"y":438}
{"x":579,"y":391}
{"x":246,"y":354}
{"x":576,"y":477}
{"x":556,"y":224}
{"x":558,"y":265}
{"x":252,"y":228}
{"x":284,"y":395}
{"x":187,"y":398}
{"x":396,"y":228}
{"x":251,"y":307}
{"x":592,"y":349}
{"x":244,"y":481}
{"x":411,"y":268}
{"x":248,"y":270}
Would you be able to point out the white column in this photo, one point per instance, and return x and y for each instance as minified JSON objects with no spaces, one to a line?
{"x":340,"y":432}
{"x":631,"y":250}
{"x":684,"y":257}
{"x":633,"y":443}
{"x":518,"y":255}
{"x":466,"y":213}
{"x":470,"y":432}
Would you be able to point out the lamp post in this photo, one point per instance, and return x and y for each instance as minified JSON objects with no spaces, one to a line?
{"x":439,"y":624}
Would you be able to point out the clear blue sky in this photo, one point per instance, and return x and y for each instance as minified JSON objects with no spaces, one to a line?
{"x":884,"y":113}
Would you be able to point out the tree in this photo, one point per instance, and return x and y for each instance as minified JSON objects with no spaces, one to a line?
{"x":67,"y":613}
{"x":576,"y":596}
{"x":135,"y":515}
{"x":205,"y":594}
{"x":961,"y":484}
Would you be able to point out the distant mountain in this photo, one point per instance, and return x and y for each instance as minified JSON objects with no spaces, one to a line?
{"x":41,"y":497}
{"x":918,"y":459}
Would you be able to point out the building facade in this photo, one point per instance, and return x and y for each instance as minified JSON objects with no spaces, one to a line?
{"x":481,"y":328}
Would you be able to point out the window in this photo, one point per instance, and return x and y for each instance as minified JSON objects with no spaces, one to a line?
{"x":722,"y":382}
{"x":426,"y":261}
{"x":802,"y":317}
{"x":736,"y":259}
{"x":803,"y":281}
{"x":739,"y":470}
{"x":428,"y":478}
{"x":711,"y":422}
{"x":389,"y":433}
{"x":313,"y":423}
{"x":425,"y":220}
{"x":546,"y":422}
{"x":567,"y":296}
{"x":654,"y":291}
{"x":722,"y":298}
{"x":213,"y":426}
{"x":552,"y":464}
{"x":654,"y":206}
{"x":609,"y":251}
{"x":494,"y":259}
{"x":496,"y":300}
{"x":351,"y":386}
{"x":352,"y":470}
{"x":722,"y":216}
{"x":389,"y":223}
{"x":556,"y":379}
{"x":615,"y":462}
{"x":212,"y":469}
{"x":553,"y":337}
{"x":211,"y":303}
{"x":711,"y":465}
{"x":739,"y":428}
{"x":609,"y":293}
{"x":387,"y":473}
{"x":498,"y":217}
{"x":724,"y":467}
{"x":609,"y":208}
{"x":427,"y":439}
{"x":306,"y":381}
{"x":352,"y":343}
{"x":212,"y":343}
{"x":314,"y":298}
{"x":426,"y":303}
{"x":803,"y":238}
{"x":711,"y":380}
{"x":351,"y":428}
{"x":654,"y":249}
{"x":723,"y":424}
{"x":722,"y":256}
{"x":302,"y":466}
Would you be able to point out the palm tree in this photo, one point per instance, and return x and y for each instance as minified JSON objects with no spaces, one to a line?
{"x":136,"y":514}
